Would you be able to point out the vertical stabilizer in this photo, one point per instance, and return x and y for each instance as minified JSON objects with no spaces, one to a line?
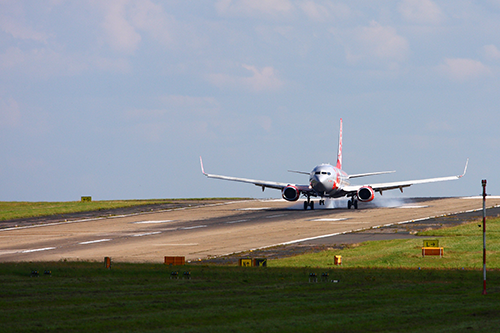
{"x":339,"y":152}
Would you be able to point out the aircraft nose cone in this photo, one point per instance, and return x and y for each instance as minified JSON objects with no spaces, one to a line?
{"x":317,"y":184}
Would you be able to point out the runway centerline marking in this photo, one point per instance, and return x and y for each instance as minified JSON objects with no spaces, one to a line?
{"x":255,"y":208}
{"x":412,"y":206}
{"x":152,"y":222}
{"x":195,"y":227}
{"x":147,"y":234}
{"x":95,"y":241}
{"x":237,"y":221}
{"x":329,"y":220}
{"x":188,"y":244}
{"x":38,"y":250}
{"x":273,"y":216}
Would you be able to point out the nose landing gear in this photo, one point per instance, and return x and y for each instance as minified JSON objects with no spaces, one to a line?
{"x":309,"y":203}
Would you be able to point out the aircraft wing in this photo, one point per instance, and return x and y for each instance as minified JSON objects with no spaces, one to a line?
{"x":381,"y":187}
{"x":261,"y":183}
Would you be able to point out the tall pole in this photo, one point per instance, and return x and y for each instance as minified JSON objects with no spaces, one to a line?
{"x":484,"y":236}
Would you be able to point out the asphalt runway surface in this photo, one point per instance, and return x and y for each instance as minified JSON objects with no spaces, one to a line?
{"x":221,"y":229}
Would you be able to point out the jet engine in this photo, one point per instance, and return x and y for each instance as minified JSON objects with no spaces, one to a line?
{"x":366,"y":193}
{"x":290,"y":193}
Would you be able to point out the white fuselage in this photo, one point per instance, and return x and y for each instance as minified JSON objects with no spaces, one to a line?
{"x":328,"y":181}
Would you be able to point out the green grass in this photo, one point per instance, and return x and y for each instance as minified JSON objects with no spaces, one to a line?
{"x":463,"y":248}
{"x":141,"y":297}
{"x":14,"y":210}
{"x":379,"y":288}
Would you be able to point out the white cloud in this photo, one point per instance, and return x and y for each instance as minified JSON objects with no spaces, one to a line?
{"x":10,"y":113}
{"x":420,"y":11}
{"x":374,"y":42}
{"x":324,"y":11}
{"x":491,"y":52}
{"x":120,"y":33}
{"x":464,"y":69}
{"x":254,"y":7}
{"x":151,"y":18}
{"x":126,"y":21}
{"x":17,"y":30}
{"x":265,"y":79}
{"x":315,"y":11}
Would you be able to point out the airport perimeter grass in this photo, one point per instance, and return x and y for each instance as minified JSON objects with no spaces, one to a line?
{"x":87,"y":297}
{"x":392,"y":295}
{"x":13,"y":210}
{"x":463,"y":248}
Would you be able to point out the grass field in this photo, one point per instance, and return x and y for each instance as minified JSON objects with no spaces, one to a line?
{"x":143,"y":298}
{"x":463,"y":248}
{"x":374,"y":291}
{"x":13,"y":210}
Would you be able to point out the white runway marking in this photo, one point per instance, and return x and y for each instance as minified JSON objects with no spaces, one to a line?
{"x":273,"y":216}
{"x":147,"y":234}
{"x":329,"y":220}
{"x":37,"y":250}
{"x":151,"y":222}
{"x":412,"y":206}
{"x":195,"y":227}
{"x":257,"y":208}
{"x":95,"y":241}
{"x":9,"y":252}
{"x":237,"y":221}
{"x":188,"y":244}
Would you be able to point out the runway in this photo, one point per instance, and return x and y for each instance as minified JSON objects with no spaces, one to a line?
{"x":209,"y":231}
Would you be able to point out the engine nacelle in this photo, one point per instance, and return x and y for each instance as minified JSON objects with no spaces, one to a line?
{"x":365,"y":194}
{"x":290,"y":193}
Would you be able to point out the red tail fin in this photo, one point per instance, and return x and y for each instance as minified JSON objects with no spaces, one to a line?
{"x":339,"y":153}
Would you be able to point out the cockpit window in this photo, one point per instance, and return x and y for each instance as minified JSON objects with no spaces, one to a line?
{"x":318,"y":172}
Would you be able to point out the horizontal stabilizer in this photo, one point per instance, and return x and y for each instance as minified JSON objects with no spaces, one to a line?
{"x":301,"y":172}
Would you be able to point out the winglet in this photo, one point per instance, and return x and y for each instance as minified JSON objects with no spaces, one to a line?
{"x":465,"y":170}
{"x":202,"y":169}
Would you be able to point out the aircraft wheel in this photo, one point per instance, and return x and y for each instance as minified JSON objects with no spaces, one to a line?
{"x":355,"y":204}
{"x":305,"y":205}
{"x":349,"y":204}
{"x":312,"y":205}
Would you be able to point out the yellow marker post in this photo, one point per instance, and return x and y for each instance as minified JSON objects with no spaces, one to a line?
{"x":431,"y":243}
{"x":246,"y":262}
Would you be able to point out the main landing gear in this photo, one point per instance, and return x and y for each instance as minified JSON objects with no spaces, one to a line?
{"x":352,"y":203}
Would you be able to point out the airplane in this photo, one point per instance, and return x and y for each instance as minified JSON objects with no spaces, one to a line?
{"x":328,"y":181}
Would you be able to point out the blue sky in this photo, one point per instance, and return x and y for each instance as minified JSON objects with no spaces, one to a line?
{"x":118,"y":99}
